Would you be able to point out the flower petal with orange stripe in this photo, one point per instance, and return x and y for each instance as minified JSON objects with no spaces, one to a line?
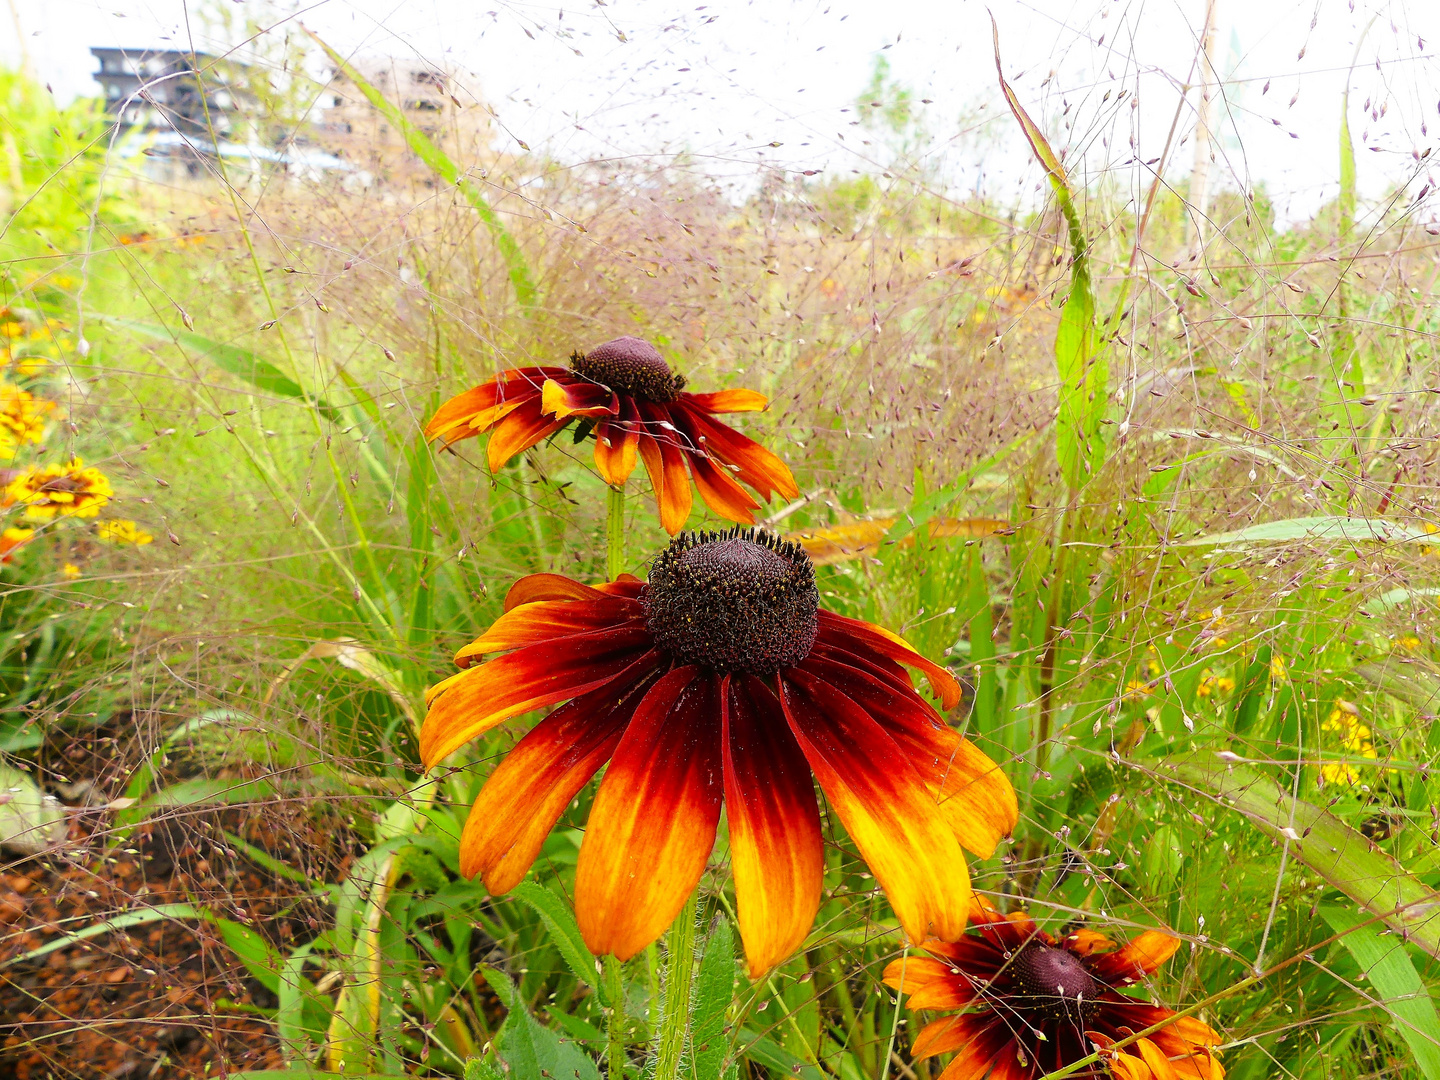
{"x":1033,"y":1004}
{"x":717,"y":682}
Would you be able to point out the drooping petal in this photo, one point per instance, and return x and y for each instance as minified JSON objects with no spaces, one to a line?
{"x":533,"y":587}
{"x":974,"y":795}
{"x":884,"y":805}
{"x":567,"y":396}
{"x":1084,"y":942}
{"x":1158,"y":1064}
{"x":528,"y":791}
{"x":757,"y":466}
{"x":665,"y":463}
{"x":978,"y":1037}
{"x":615,"y":448}
{"x":838,"y":629}
{"x":775,"y":844}
{"x":653,"y":823}
{"x":519,"y":431}
{"x":722,"y":494}
{"x":728,"y":401}
{"x":478,"y":408}
{"x":471,"y":703}
{"x":954,"y":992}
{"x":546,"y":620}
{"x":918,"y":971}
{"x":1135,"y":959}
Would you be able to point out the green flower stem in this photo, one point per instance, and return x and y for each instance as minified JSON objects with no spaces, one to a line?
{"x":675,"y":1024}
{"x":615,"y":988}
{"x":615,"y":532}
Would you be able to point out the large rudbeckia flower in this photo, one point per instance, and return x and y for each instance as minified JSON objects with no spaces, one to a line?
{"x":718,"y":681}
{"x":637,"y":406}
{"x":1032,"y":1004}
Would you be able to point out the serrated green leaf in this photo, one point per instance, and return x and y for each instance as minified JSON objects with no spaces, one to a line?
{"x":565,"y":935}
{"x":714,"y":990}
{"x":1390,"y":971}
{"x":527,"y":1047}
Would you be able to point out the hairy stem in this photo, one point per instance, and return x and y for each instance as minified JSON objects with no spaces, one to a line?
{"x":675,"y":1023}
{"x":615,"y":988}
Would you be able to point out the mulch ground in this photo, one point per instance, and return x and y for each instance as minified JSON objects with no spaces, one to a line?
{"x":166,"y":998}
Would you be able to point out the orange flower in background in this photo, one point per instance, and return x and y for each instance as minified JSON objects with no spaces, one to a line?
{"x":11,"y":540}
{"x":1032,"y":1004}
{"x":639,"y":410}
{"x":718,"y":681}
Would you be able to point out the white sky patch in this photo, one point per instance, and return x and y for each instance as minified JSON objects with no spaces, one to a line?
{"x":720,"y":83}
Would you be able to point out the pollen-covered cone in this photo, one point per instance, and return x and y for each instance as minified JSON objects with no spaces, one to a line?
{"x":639,"y":412}
{"x":1024,"y":1004}
{"x":720,"y":682}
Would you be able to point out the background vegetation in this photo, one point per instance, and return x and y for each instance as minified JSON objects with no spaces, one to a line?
{"x":1165,"y":506}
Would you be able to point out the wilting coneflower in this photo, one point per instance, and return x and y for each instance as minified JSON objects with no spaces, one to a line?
{"x":635,"y":405}
{"x":718,"y":681}
{"x":1029,"y":1004}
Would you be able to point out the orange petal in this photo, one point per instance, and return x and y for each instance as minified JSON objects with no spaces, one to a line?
{"x":978,"y":1037}
{"x":1084,"y":942}
{"x":757,"y":466}
{"x":535,"y":587}
{"x":473,"y":702}
{"x":775,"y":846}
{"x":1123,"y":1066}
{"x":653,"y":823}
{"x":565,"y":397}
{"x":1158,"y":1064}
{"x":728,"y":401}
{"x":1135,"y":959}
{"x":839,"y":631}
{"x":528,"y":791}
{"x":884,"y":805}
{"x":920,"y":971}
{"x":481,"y":406}
{"x":720,"y":491}
{"x":546,"y":620}
{"x":519,"y":431}
{"x":973,"y":794}
{"x":615,"y":448}
{"x":666,"y":465}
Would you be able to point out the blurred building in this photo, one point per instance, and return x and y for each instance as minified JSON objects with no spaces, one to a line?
{"x":193,"y":94}
{"x":431,"y":99}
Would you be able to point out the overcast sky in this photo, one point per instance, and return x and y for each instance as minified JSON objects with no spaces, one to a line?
{"x":724,"y":80}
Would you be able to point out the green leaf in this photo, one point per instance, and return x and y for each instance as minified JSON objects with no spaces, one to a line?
{"x":527,"y":1047}
{"x":448,"y":171}
{"x":1407,"y":1000}
{"x":479,"y":1069}
{"x":1325,"y":528}
{"x":1347,"y":168}
{"x":565,"y":934}
{"x":714,"y":990}
{"x":240,"y":362}
{"x":260,"y":958}
{"x":1339,"y":854}
{"x":1083,"y":371}
{"x":763,"y":1050}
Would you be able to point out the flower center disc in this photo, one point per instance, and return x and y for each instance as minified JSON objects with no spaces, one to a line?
{"x":629,"y":365}
{"x":1055,"y":983}
{"x":737,"y":601}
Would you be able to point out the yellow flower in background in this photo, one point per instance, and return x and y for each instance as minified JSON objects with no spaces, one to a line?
{"x":1210,"y":683}
{"x":65,"y":490}
{"x":1136,"y":689}
{"x":22,"y":418}
{"x":1355,"y":738}
{"x":1406,"y":643}
{"x":1278,"y":671}
{"x":71,"y":571}
{"x":121,"y":531}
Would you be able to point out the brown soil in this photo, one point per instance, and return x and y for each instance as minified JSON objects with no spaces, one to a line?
{"x":165,"y":998}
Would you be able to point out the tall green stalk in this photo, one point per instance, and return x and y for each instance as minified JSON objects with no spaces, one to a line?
{"x":615,"y":987}
{"x":675,"y":1024}
{"x":615,"y":532}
